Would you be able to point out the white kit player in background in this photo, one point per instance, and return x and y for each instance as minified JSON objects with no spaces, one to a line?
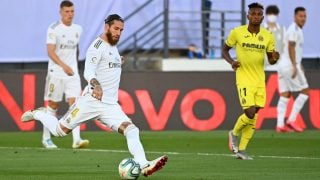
{"x":290,"y":73}
{"x":278,"y":31}
{"x":100,"y":97}
{"x":62,"y":77}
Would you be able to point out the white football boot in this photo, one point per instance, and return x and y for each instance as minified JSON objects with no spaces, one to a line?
{"x":82,"y":143}
{"x":49,"y":144}
{"x":29,"y":115}
{"x":243,"y":155}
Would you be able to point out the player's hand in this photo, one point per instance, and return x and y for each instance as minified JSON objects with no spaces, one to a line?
{"x":294,"y":72}
{"x":122,"y":59}
{"x":67,"y":70}
{"x":97,"y":92}
{"x":275,"y":56}
{"x":235,"y":65}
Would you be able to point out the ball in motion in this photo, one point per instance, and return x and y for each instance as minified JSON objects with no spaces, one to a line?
{"x":129,"y":169}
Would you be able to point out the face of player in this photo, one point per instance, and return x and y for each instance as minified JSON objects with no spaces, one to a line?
{"x":67,"y":14}
{"x":113,"y":32}
{"x":300,"y":18}
{"x":255,"y":16}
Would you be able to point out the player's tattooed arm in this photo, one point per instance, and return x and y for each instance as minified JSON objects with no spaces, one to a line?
{"x":94,"y":82}
{"x":97,"y":90}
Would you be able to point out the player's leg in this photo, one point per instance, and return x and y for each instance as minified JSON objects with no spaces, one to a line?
{"x":47,"y":120}
{"x":246,"y":100}
{"x":53,"y":94}
{"x":283,"y":100}
{"x":298,"y":84}
{"x":297,"y":106}
{"x":73,"y":90}
{"x":78,"y":142}
{"x":51,"y":109}
{"x":117,"y":120}
{"x":281,"y":112}
{"x":135,"y":147}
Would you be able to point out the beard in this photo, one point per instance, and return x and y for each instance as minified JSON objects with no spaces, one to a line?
{"x":110,"y":39}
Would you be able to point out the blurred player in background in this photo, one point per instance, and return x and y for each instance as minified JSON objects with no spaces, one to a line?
{"x":63,"y":77}
{"x":278,"y":31}
{"x":252,"y":42}
{"x":290,"y":72}
{"x":100,"y":97}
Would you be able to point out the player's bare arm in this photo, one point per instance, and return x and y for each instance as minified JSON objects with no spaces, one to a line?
{"x":292,"y":55}
{"x":97,"y":90}
{"x":51,"y":53}
{"x":226,"y":55}
{"x":273,"y":57}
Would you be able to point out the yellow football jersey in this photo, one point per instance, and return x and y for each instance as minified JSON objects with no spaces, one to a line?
{"x":250,"y":50}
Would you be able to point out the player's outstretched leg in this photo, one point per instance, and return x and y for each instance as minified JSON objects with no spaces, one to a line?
{"x":49,"y":121}
{"x":135,"y":147}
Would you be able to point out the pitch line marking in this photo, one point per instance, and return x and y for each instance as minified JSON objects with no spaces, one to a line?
{"x":168,"y":153}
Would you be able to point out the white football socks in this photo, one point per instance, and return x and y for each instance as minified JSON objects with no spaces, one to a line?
{"x":281,"y":108}
{"x":76,"y":134}
{"x":297,"y":106}
{"x":134,"y":145}
{"x":46,"y":133}
{"x":47,"y":120}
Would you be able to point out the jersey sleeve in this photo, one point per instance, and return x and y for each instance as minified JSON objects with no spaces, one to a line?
{"x":292,"y":35}
{"x":271,"y":44}
{"x":51,"y":36}
{"x":93,"y":58}
{"x":232,"y":38}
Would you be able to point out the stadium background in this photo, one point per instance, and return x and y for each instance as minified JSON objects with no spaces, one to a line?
{"x":154,"y":99}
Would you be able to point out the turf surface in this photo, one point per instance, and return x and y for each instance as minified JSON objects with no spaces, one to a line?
{"x":192,"y":155}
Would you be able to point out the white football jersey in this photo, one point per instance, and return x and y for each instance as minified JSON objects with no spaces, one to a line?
{"x":294,"y":34}
{"x":103,"y":62}
{"x":66,"y":39}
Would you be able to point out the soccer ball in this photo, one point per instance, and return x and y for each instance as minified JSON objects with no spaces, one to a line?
{"x":129,"y":169}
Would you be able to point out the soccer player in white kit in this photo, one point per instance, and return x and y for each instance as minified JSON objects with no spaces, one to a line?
{"x":290,"y":72}
{"x":63,"y":77}
{"x":100,"y":97}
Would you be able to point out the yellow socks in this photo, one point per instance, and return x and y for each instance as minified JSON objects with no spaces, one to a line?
{"x":246,"y":128}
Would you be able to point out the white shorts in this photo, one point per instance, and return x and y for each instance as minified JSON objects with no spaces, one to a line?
{"x":287,"y":84}
{"x":55,"y":88}
{"x":87,"y":108}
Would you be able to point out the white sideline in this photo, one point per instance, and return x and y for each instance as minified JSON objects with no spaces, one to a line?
{"x":168,"y":153}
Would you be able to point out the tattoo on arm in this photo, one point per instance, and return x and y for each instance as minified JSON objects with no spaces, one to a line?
{"x":94,"y":82}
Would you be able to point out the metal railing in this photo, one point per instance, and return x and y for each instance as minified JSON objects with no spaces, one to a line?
{"x":155,"y":37}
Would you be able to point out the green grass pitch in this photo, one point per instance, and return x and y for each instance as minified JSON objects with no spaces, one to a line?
{"x":192,"y":155}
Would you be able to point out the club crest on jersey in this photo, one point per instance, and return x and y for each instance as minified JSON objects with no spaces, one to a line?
{"x":94,"y":60}
{"x":260,"y":38}
{"x":243,"y":101}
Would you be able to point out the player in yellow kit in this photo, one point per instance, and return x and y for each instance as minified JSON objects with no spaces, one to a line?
{"x":251,"y":42}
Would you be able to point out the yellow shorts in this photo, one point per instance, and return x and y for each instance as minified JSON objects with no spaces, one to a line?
{"x":251,"y":96}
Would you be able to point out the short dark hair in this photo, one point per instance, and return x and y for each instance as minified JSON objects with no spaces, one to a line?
{"x":255,"y":5}
{"x":66,"y":3}
{"x":272,"y":9}
{"x":110,"y":19}
{"x":297,"y":9}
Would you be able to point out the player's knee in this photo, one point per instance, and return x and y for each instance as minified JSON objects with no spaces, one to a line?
{"x":53,"y":105}
{"x":60,"y":132}
{"x":286,"y":94}
{"x":305,"y":91}
{"x":130,"y":129}
{"x":250,"y":112}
